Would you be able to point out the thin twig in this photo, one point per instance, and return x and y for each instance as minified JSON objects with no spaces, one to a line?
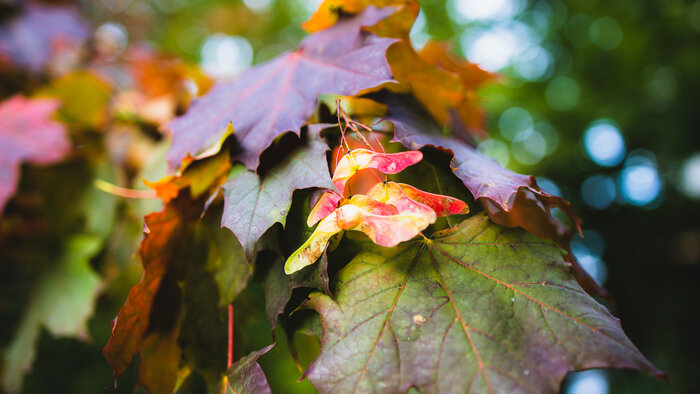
{"x":124,"y":192}
{"x":229,"y":361}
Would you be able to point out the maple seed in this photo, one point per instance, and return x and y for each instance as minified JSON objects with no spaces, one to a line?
{"x":388,"y":215}
{"x":349,"y":165}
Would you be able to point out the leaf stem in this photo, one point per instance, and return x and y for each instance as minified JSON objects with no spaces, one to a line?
{"x":229,"y":361}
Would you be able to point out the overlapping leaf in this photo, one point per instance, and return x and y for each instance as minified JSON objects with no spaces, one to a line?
{"x":278,"y":286}
{"x":31,"y":39}
{"x":443,"y":84}
{"x":27,"y":133}
{"x":246,"y":376}
{"x":397,"y":25}
{"x":478,"y":308}
{"x":511,"y":199}
{"x":252,"y":205}
{"x":164,"y":235}
{"x":442,"y":92}
{"x":278,"y":96}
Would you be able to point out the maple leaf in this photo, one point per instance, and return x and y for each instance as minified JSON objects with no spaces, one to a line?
{"x":342,"y":60}
{"x":28,"y":134}
{"x":252,"y":204}
{"x":31,"y":38}
{"x":443,"y":84}
{"x":471,"y":75}
{"x":61,"y":303}
{"x":442,"y":92}
{"x":278,"y":286}
{"x":477,"y":308}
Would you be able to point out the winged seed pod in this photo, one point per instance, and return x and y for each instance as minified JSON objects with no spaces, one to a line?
{"x":389,"y":214}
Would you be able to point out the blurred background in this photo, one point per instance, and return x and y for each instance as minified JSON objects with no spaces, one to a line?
{"x":598,"y":99}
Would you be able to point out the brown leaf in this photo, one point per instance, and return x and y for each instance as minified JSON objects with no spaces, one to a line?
{"x":163,"y":238}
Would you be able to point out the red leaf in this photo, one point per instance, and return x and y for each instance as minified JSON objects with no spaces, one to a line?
{"x":28,"y":134}
{"x":32,"y":39}
{"x":279,"y":96}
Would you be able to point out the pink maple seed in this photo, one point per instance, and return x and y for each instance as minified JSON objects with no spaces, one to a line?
{"x":391,"y":230}
{"x":349,"y":165}
{"x":391,"y":193}
{"x":442,"y":205}
{"x":371,"y":205}
{"x":325,"y":205}
{"x":359,"y":159}
{"x":312,"y":249}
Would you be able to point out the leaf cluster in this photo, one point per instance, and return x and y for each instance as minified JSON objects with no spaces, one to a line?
{"x":493,"y":301}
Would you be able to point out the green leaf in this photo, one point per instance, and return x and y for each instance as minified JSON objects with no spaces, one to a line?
{"x":61,"y":303}
{"x":226,"y":262}
{"x":278,"y":286}
{"x":84,"y":98}
{"x":478,"y":308}
{"x":252,"y":205}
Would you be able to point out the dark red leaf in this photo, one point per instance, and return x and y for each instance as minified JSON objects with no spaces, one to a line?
{"x":279,"y":96}
{"x":510,"y":199}
{"x":28,"y":134}
{"x":33,"y":38}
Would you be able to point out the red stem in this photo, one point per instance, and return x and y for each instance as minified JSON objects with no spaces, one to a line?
{"x":230,"y":337}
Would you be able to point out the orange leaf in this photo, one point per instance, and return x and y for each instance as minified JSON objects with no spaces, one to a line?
{"x":398,"y":25}
{"x":442,"y":92}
